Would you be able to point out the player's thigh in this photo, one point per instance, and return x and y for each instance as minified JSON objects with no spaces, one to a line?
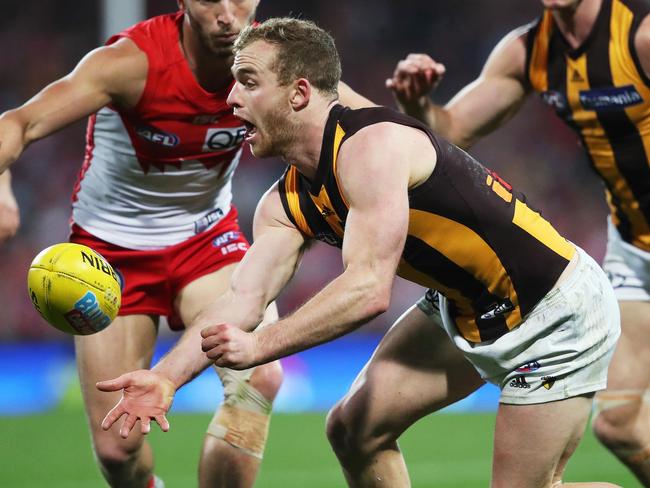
{"x":194,"y":296}
{"x":414,"y":371}
{"x":125,"y":345}
{"x":630,"y":366}
{"x":532,"y":443}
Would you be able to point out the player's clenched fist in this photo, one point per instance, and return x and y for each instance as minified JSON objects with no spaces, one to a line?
{"x":415,"y":77}
{"x":229,"y":346}
{"x":9,"y":213}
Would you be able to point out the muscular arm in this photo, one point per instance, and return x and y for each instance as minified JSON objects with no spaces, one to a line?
{"x":479,"y":108}
{"x":375,"y":233}
{"x":110,"y":74}
{"x":642,"y":44}
{"x":266,"y":268}
{"x":9,"y":215}
{"x":349,"y":98}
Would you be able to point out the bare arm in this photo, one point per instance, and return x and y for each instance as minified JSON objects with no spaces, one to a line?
{"x":371,"y":252}
{"x":642,"y":44}
{"x":111,"y":74}
{"x":9,"y":214}
{"x":349,"y":98}
{"x":479,"y":108}
{"x":266,"y":268}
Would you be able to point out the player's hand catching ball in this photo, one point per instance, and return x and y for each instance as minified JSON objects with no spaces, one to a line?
{"x":146,"y":395}
{"x":229,"y":346}
{"x":414,"y":77}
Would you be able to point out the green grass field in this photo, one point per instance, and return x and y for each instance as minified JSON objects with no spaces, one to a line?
{"x":445,"y":450}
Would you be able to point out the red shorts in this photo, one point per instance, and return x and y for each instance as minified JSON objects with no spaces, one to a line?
{"x":151,"y":280}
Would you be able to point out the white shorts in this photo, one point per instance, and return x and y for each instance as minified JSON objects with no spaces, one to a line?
{"x":561,"y":349}
{"x":627,"y":266}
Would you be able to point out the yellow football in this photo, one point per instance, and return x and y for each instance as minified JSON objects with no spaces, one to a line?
{"x":74,"y":288}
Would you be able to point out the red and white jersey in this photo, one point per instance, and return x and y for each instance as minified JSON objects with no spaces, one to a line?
{"x":158,"y":174}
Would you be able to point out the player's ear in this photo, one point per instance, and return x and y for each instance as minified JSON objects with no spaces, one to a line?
{"x":300,"y":94}
{"x":181,"y":5}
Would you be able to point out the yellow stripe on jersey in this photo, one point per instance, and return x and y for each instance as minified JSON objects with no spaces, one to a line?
{"x":291,"y":190}
{"x":465,"y":320}
{"x":595,"y":139}
{"x":465,"y":248}
{"x":623,"y":68}
{"x":326,"y":209}
{"x":624,"y":72}
{"x":537,"y":72}
{"x":533,"y":223}
{"x":338,"y":138}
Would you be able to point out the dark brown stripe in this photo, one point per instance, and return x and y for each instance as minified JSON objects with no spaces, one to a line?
{"x":623,"y":136}
{"x":429,"y":261}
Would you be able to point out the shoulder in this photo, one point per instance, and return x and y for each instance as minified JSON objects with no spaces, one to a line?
{"x":508,"y":58}
{"x":385,"y":153}
{"x":119,"y":70}
{"x":271,"y":211}
{"x":642,"y":44}
{"x":154,"y":30}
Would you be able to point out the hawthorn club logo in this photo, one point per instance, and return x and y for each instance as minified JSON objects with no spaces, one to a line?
{"x":548,"y":381}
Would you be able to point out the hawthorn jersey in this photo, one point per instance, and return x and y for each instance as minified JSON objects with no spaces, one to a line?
{"x":601,"y":91}
{"x":469,"y":236}
{"x":158,"y":174}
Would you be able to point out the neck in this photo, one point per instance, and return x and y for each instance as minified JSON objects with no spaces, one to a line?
{"x":305,"y":151}
{"x":211,"y":71}
{"x":576,"y":21}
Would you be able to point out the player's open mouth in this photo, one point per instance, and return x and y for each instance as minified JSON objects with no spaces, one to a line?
{"x":251,"y":130}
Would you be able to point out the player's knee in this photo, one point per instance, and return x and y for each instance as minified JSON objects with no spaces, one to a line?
{"x":335,"y":428}
{"x":243,"y":419}
{"x":267,"y":379}
{"x":348,"y":440}
{"x":113,"y":452}
{"x":618,"y":430}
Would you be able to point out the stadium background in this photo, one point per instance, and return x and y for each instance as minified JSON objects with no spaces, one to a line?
{"x":40,"y":406}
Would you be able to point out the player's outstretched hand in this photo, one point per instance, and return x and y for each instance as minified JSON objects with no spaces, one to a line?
{"x":414,"y":77}
{"x":229,"y":346}
{"x":9,"y":215}
{"x":146,"y":395}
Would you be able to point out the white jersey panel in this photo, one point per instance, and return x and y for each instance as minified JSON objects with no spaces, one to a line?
{"x":121,"y":204}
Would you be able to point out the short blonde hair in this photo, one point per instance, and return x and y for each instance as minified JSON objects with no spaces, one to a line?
{"x":304,"y":51}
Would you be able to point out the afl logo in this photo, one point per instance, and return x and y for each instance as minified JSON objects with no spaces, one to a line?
{"x":223,"y":138}
{"x":166,"y":139}
{"x":556,"y":100}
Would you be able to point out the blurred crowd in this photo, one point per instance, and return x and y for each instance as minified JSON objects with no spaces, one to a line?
{"x":534,"y":152}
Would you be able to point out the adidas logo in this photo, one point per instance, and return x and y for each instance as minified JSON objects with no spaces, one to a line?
{"x":576,"y":76}
{"x":499,"y":309}
{"x":519,"y":382}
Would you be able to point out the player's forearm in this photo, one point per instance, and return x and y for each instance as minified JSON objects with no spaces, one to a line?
{"x":5,"y":183}
{"x":342,"y":306}
{"x":435,"y":116}
{"x":13,"y":129}
{"x":186,"y":360}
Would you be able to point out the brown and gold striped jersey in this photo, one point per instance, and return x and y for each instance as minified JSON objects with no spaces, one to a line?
{"x":470,"y":236}
{"x":601,"y":91}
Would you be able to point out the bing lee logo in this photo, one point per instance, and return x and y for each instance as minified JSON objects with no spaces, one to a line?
{"x":86,"y":316}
